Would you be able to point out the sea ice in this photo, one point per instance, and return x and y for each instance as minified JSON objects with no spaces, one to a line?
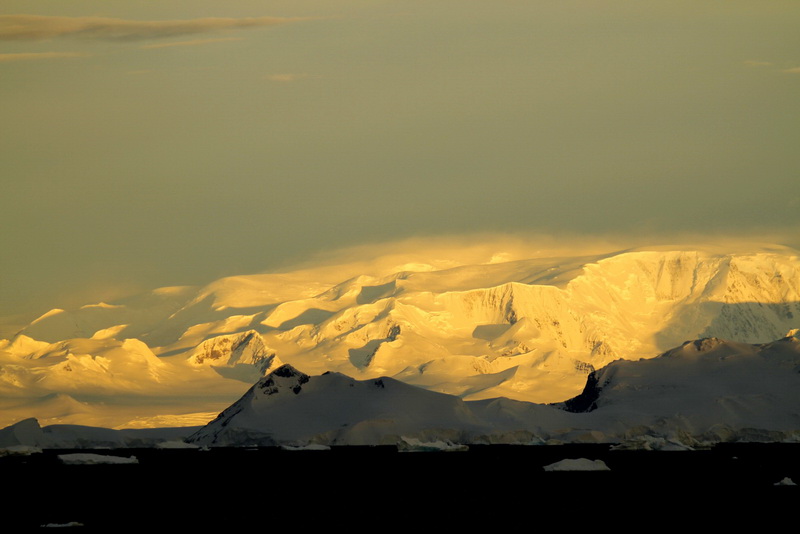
{"x":578,"y":464}
{"x":415,"y":445}
{"x":21,"y":450}
{"x":81,"y":458}
{"x":309,"y":447}
{"x":175,"y":444}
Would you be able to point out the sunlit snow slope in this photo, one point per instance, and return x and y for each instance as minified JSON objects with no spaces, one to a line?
{"x":527,"y":327}
{"x":701,"y":393}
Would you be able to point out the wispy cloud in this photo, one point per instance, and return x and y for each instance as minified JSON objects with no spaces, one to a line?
{"x":754,"y":63}
{"x":191,"y":43}
{"x":36,"y":27}
{"x":4,"y":58}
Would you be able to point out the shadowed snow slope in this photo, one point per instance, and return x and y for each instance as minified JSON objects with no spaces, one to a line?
{"x":529,"y":329}
{"x":289,"y":406}
{"x":703,"y":392}
{"x":28,"y":432}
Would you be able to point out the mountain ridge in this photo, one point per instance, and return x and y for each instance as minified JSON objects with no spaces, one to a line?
{"x":668,"y":401}
{"x":528,"y":329}
{"x":665,"y":398}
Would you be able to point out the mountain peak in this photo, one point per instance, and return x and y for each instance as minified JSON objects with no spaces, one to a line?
{"x":284,"y":378}
{"x":705,"y":344}
{"x":231,"y":350}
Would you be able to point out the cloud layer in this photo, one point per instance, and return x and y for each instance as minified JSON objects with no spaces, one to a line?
{"x":27,"y":56}
{"x":194,"y":42}
{"x":35,"y":27}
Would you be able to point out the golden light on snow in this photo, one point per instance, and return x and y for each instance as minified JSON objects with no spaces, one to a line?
{"x":477,"y":318}
{"x":489,"y":200}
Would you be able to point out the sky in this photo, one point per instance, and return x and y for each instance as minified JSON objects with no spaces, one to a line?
{"x":147,"y":144}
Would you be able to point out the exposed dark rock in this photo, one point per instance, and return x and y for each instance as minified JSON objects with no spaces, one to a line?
{"x":587,"y":400}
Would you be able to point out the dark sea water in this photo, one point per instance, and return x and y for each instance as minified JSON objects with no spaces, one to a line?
{"x":377,"y":488}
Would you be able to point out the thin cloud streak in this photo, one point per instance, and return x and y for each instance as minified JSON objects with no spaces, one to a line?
{"x":36,"y":27}
{"x":445,"y":250}
{"x":793,"y":70}
{"x":195,"y":42}
{"x":28,"y":56}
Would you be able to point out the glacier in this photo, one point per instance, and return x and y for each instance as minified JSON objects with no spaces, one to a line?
{"x":522,"y":328}
{"x":701,"y":393}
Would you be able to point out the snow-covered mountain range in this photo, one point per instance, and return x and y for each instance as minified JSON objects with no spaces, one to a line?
{"x":701,"y":393}
{"x":705,"y":391}
{"x":525,"y":327}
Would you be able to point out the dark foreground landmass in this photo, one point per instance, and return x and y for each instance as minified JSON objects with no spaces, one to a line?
{"x":374,"y":488}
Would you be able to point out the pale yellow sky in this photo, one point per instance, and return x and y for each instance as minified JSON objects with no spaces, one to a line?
{"x":149,"y":144}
